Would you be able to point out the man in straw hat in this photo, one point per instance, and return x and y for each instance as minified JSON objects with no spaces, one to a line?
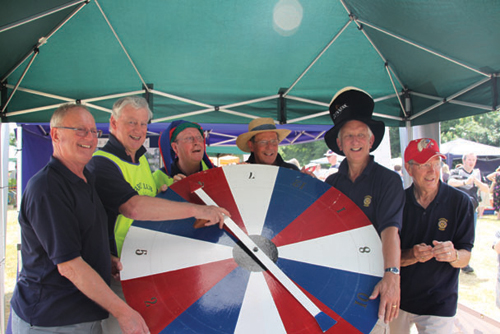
{"x":436,"y":240}
{"x":377,"y":190}
{"x":262,"y":141}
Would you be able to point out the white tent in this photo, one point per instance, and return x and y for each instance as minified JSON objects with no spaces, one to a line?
{"x":462,"y":146}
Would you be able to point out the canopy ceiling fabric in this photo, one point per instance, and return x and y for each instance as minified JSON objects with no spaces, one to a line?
{"x":230,"y":61}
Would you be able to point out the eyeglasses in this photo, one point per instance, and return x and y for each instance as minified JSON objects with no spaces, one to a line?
{"x":190,"y":139}
{"x":264,"y":143}
{"x":82,"y":132}
{"x":433,"y":165}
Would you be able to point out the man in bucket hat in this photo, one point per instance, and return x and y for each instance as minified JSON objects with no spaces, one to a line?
{"x":262,"y":141}
{"x":436,"y":240}
{"x":377,"y":190}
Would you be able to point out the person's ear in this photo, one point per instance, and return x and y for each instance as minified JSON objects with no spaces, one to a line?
{"x":54,"y":134}
{"x":339,"y":144}
{"x":408,"y":169}
{"x":175,"y":148}
{"x":250,"y":145}
{"x":112,"y":122}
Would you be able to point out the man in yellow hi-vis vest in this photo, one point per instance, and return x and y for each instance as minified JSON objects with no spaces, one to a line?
{"x":126,"y":186}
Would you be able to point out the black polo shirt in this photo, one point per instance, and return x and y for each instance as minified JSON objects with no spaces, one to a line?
{"x":278,"y":162}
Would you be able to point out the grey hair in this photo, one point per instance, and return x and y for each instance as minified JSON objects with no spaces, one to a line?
{"x":137,"y":102}
{"x":62,"y":111}
{"x":370,"y":133}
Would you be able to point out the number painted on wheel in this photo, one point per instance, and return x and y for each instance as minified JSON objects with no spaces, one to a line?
{"x":299,"y":184}
{"x":141,"y":252}
{"x":362,"y":299}
{"x":151,"y":302}
{"x":364,"y":249}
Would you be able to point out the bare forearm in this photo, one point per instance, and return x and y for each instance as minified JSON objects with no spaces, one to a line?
{"x":153,"y":208}
{"x":408,"y":258}
{"x":391,"y":249}
{"x":86,"y":279}
{"x":483,"y":187}
{"x":462,"y":259}
{"x":456,"y":183}
{"x":388,"y":287}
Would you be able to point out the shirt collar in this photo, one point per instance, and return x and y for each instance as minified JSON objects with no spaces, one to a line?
{"x":344,"y":167}
{"x":114,"y":146}
{"x":67,"y":173}
{"x":278,"y":162}
{"x":441,"y":192}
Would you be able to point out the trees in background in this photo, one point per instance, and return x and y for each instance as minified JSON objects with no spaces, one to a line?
{"x":304,"y":153}
{"x":483,"y":128}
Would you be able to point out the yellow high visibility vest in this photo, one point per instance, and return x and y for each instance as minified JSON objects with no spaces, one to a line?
{"x":140,"y":178}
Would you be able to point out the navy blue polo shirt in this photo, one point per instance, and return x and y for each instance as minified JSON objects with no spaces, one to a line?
{"x":61,"y":218}
{"x":431,"y":288}
{"x":378,"y":192}
{"x":111,"y":186}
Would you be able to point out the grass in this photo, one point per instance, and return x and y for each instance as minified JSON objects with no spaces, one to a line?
{"x":13,"y":238}
{"x":476,"y":290}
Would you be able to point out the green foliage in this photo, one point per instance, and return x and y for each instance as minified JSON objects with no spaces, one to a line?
{"x":304,"y":152}
{"x":481,"y":128}
{"x":12,"y":183}
{"x":12,"y":139}
{"x":394,"y":139}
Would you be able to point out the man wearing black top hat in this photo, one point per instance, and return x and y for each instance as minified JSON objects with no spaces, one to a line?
{"x":377,"y":190}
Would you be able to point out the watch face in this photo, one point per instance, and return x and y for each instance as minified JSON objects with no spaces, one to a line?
{"x":393,"y":270}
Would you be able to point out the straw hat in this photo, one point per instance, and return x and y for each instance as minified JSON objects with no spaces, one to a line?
{"x":256,"y":126}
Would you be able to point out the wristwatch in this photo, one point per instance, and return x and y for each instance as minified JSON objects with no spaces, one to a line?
{"x":393,"y":270}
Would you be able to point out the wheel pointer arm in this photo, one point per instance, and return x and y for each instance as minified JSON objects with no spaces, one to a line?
{"x":324,"y":320}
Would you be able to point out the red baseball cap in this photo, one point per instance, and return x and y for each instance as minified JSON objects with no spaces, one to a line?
{"x":421,"y":150}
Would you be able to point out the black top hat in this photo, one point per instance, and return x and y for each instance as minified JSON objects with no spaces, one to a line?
{"x":352,"y":104}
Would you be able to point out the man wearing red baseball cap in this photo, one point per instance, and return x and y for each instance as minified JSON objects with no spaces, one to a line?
{"x":436,"y":241}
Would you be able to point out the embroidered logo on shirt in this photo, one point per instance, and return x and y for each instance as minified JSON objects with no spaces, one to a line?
{"x":367,"y":201}
{"x":442,"y":223}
